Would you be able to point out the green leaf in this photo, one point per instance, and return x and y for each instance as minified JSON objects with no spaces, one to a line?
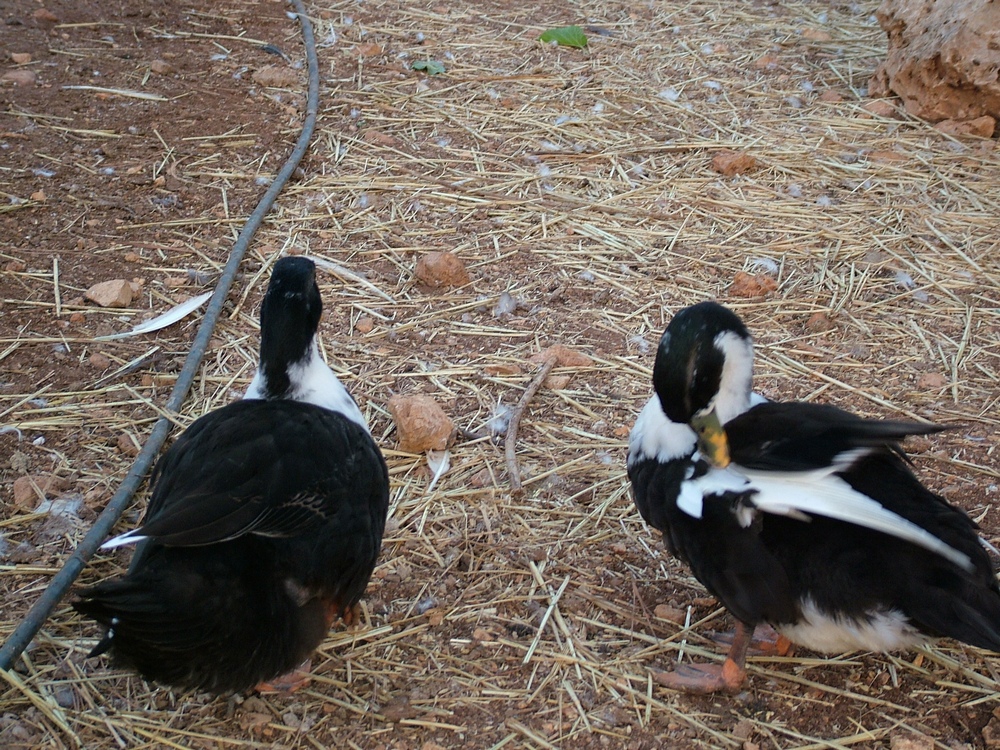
{"x":568,"y":36}
{"x":433,"y":67}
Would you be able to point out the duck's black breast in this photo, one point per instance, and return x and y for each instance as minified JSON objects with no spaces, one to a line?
{"x":265,"y":520}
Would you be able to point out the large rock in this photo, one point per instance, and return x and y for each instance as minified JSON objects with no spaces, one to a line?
{"x":943,"y":58}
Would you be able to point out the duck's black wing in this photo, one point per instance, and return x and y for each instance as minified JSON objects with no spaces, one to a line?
{"x":798,"y":436}
{"x":730,"y":560}
{"x":271,"y":468}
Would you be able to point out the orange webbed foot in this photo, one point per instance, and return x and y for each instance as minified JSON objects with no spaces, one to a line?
{"x":703,"y":678}
{"x":288,"y":682}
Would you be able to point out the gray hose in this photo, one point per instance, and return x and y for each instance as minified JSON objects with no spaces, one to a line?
{"x":101,"y":529}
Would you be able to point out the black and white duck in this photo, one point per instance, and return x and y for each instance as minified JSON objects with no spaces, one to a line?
{"x":264,"y":523}
{"x":799,"y":516}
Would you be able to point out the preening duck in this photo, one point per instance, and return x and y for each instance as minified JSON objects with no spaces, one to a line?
{"x":264,"y":523}
{"x":797,"y":515}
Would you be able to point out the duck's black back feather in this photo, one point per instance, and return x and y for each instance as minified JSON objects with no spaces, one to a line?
{"x":798,"y":436}
{"x":265,"y":517}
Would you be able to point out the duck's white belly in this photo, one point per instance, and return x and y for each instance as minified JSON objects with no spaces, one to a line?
{"x":883,"y":630}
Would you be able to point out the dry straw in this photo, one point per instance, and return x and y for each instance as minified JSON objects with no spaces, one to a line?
{"x":579,"y":183}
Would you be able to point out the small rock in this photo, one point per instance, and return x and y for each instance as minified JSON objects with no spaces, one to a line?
{"x":431,"y":745}
{"x":421,"y":424}
{"x":15,"y":266}
{"x":276,"y":76}
{"x":132,"y":257}
{"x":565,"y":357}
{"x":369,"y":49}
{"x":38,"y":196}
{"x":364,"y":324}
{"x":816,"y":35}
{"x":880,"y":108}
{"x":819,"y":322}
{"x":752,"y":285}
{"x":831,"y":96}
{"x":21,"y":58}
{"x":27,"y":489}
{"x":886,"y":156}
{"x":991,"y":735}
{"x":21,"y":77}
{"x":77,"y":317}
{"x":99,"y":361}
{"x":911,"y":742}
{"x":481,"y":634}
{"x":45,"y":18}
{"x":731,"y":163}
{"x":435,"y":617}
{"x":161,"y":67}
{"x":557,"y":382}
{"x":766,"y":62}
{"x":128,"y":445}
{"x":114,"y":293}
{"x":982,"y":127}
{"x":441,"y":269}
{"x":502,"y":370}
{"x":743,"y":729}
{"x":931,"y":381}
{"x":398,"y":708}
{"x":671,"y":614}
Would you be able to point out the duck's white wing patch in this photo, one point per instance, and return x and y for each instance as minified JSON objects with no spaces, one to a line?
{"x":822,"y":493}
{"x":798,"y":493}
{"x":655,"y":436}
{"x":129,"y":537}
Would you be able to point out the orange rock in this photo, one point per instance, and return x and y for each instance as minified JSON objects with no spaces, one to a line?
{"x":982,"y":127}
{"x":880,"y":108}
{"x":819,"y":322}
{"x":441,"y":269}
{"x":276,"y":76}
{"x":942,"y":58}
{"x":27,"y":489}
{"x":161,"y":67}
{"x":99,"y":361}
{"x":831,"y":96}
{"x":752,"y":285}
{"x":666,"y":612}
{"x":421,"y":424}
{"x":20,"y":77}
{"x":114,"y":293}
{"x":887,"y":156}
{"x":931,"y":381}
{"x":128,"y":445}
{"x":364,"y":324}
{"x":369,"y":49}
{"x":565,"y":357}
{"x":21,"y":58}
{"x":731,"y":163}
{"x":816,"y":35}
{"x":766,"y":62}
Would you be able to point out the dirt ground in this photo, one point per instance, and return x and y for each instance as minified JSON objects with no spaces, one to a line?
{"x":578,"y":188}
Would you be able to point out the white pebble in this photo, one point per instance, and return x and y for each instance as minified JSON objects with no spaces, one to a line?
{"x":40,"y":440}
{"x":713,"y":85}
{"x":707,"y":49}
{"x":794,"y":190}
{"x":825,"y":201}
{"x":670,"y":94}
{"x":905,"y":280}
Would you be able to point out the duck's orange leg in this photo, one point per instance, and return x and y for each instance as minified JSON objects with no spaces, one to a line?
{"x":712,"y":678}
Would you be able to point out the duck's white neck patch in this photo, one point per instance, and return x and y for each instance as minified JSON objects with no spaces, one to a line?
{"x":655,"y":436}
{"x":312,"y":382}
{"x":733,"y":397}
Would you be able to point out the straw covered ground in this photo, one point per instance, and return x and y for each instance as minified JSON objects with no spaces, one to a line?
{"x":578,"y":188}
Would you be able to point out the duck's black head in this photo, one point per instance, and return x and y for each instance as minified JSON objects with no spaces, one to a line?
{"x":289,"y":317}
{"x":704,"y":363}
